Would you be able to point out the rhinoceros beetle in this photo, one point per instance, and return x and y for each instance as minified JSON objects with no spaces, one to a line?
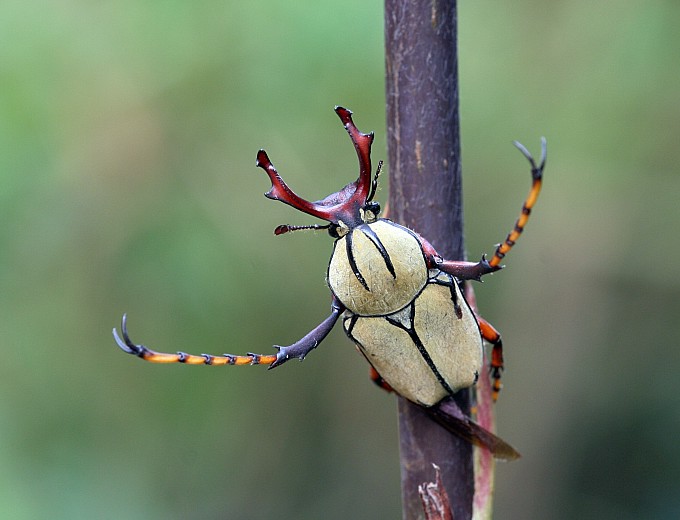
{"x":400,"y":302}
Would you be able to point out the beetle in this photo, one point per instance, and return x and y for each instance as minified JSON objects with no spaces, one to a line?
{"x":399,"y":301}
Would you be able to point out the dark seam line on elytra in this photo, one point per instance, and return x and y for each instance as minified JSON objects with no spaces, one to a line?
{"x":421,"y":348}
{"x":371,"y":235}
{"x":353,"y":263}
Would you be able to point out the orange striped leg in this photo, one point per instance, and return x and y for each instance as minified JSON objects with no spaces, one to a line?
{"x":297,"y":350}
{"x":378,"y":380}
{"x":458,"y":268}
{"x":490,"y":334}
{"x":537,"y":176}
{"x":126,"y":344}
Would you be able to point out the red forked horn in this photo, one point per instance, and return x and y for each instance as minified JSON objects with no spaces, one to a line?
{"x":341,"y":205}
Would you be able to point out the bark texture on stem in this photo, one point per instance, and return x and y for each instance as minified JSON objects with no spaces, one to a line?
{"x":425,"y":195}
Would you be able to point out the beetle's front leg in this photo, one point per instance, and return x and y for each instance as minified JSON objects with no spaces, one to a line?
{"x":460,"y":269}
{"x":299,"y":349}
{"x":466,"y":270}
{"x":311,"y":340}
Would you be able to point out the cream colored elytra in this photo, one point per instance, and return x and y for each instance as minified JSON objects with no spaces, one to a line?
{"x":382,"y":292}
{"x":411,"y":324}
{"x":428,"y":350}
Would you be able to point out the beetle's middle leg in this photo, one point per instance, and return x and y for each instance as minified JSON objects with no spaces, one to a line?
{"x":378,"y":380}
{"x":490,"y":334}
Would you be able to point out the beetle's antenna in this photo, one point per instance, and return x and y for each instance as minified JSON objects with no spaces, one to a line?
{"x":285,"y":228}
{"x":537,"y":177}
{"x":374,"y":184}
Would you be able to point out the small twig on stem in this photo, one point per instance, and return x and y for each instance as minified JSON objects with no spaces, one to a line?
{"x":434,"y":498}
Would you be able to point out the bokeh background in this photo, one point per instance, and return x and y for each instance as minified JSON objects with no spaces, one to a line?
{"x":128,"y":133}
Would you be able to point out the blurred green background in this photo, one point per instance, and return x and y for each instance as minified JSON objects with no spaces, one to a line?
{"x":128,"y":133}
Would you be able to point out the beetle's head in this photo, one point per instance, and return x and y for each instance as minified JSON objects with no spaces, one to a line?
{"x":344,"y":210}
